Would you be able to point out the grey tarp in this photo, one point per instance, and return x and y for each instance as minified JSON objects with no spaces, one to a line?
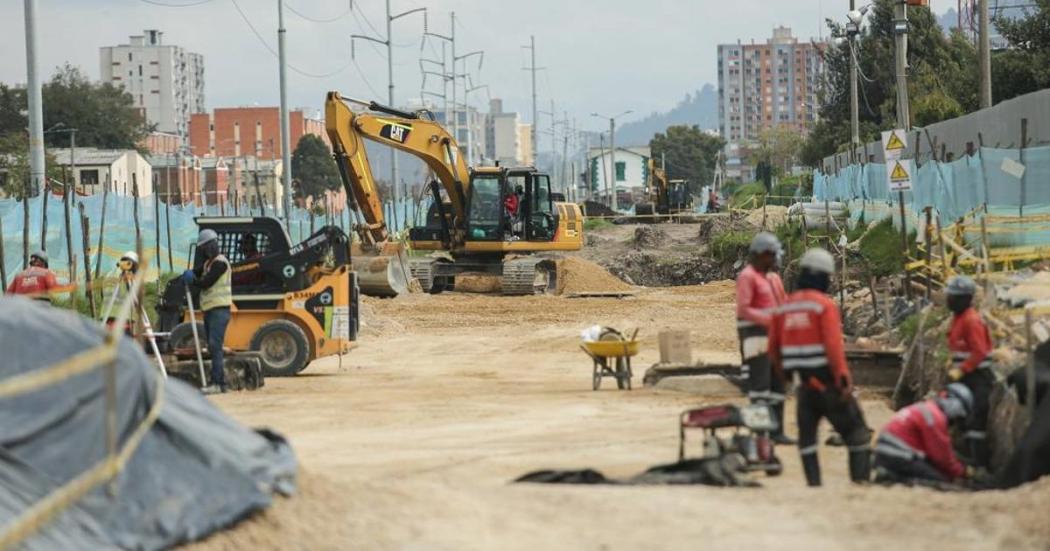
{"x":195,"y":471}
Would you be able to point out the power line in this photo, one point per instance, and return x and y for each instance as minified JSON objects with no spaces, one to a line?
{"x":314,"y":19}
{"x":167,"y":5}
{"x":274,"y":52}
{"x":361,"y":73}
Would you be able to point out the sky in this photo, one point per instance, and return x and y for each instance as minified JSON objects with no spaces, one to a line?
{"x":605,"y":56}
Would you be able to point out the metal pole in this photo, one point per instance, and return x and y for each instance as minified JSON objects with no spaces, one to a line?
{"x":286,"y":146}
{"x":390,"y":93}
{"x":36,"y":116}
{"x":455,"y":113}
{"x":532,"y":47}
{"x":903,"y":113}
{"x":612,"y":164}
{"x":985,"y":54}
{"x":854,"y":107}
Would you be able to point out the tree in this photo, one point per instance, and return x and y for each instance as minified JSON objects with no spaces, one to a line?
{"x":779,"y":148}
{"x":104,"y":115}
{"x":314,"y":168}
{"x":14,"y":165}
{"x":1025,"y":67}
{"x":689,"y":152}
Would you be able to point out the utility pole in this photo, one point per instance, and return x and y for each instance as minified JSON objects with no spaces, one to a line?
{"x":985,"y":52}
{"x":389,"y":43}
{"x":565,"y":154}
{"x":612,"y":163}
{"x":532,"y":68}
{"x":286,"y":139}
{"x":900,"y":28}
{"x":36,"y":116}
{"x":854,"y":107}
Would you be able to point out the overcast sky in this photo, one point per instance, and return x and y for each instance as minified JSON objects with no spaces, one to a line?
{"x":600,"y":55}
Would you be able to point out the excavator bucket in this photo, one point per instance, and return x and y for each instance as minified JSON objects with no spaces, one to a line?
{"x":381,"y":272}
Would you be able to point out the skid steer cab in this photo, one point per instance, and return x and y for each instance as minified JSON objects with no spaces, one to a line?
{"x":291,"y":304}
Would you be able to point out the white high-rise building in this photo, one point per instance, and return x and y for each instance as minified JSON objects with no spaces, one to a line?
{"x":165,"y":82}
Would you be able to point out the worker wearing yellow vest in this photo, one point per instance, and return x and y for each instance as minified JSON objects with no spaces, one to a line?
{"x":214,"y":280}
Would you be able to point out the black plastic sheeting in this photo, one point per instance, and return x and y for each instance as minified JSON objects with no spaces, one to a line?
{"x":1031,"y":457}
{"x":195,"y":472}
{"x":708,"y":472}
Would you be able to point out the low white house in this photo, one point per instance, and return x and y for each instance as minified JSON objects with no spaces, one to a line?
{"x":630,"y":173}
{"x":97,"y":169}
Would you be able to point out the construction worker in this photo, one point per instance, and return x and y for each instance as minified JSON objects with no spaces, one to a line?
{"x":216,"y":296}
{"x":969,"y":344}
{"x":758,"y":292}
{"x":36,"y":281}
{"x":805,"y":342}
{"x":915,"y":444}
{"x":129,"y":267}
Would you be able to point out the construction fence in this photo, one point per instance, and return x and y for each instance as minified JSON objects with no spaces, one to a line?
{"x":167,"y":231}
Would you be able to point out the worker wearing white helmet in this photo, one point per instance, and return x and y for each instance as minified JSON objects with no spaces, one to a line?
{"x":129,"y":262}
{"x":970,"y":343}
{"x":759,"y":291}
{"x":216,"y":297}
{"x":805,"y":342}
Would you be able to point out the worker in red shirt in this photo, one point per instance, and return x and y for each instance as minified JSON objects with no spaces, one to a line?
{"x":758,"y":293}
{"x":36,"y":281}
{"x":915,"y":444}
{"x":805,"y":342}
{"x":969,"y":344}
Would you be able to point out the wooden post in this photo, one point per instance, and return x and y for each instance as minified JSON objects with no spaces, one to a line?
{"x":135,"y":212}
{"x":3,"y":258}
{"x":85,"y":232}
{"x":943,"y":251}
{"x":904,"y":245}
{"x":43,"y":212}
{"x":984,"y":171}
{"x":67,"y":209}
{"x":156,"y":223}
{"x":1030,"y":371}
{"x":1020,"y":154}
{"x":101,"y":232}
{"x":929,"y":252}
{"x":827,"y":221}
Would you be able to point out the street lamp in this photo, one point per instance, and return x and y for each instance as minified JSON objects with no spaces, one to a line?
{"x":611,"y":188}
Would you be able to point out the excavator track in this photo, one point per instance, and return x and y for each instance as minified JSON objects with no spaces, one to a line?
{"x":528,"y":276}
{"x":423,"y":271}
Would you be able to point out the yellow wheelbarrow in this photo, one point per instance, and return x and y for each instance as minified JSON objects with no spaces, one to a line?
{"x":611,"y":357}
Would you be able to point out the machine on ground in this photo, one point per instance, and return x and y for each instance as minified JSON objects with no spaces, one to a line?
{"x":664,"y":196}
{"x":292,"y":304}
{"x":472,"y":225}
{"x":749,"y":447}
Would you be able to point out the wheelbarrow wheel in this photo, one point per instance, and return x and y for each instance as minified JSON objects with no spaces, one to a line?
{"x":597,"y":376}
{"x":623,"y":374}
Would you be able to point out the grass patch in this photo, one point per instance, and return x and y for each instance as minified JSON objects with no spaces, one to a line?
{"x":591,"y":224}
{"x":747,"y":196}
{"x":881,"y":249}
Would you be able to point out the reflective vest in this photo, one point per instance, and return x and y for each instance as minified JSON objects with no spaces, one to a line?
{"x":806,"y":337}
{"x":219,"y":295}
{"x":919,"y":432}
{"x":969,"y":342}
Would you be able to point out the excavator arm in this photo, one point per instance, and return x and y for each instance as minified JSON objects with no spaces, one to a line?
{"x":424,"y":139}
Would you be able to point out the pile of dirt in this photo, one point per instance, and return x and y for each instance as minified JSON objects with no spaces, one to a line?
{"x":668,"y":269}
{"x":649,"y":237}
{"x":713,"y":225}
{"x":594,"y":208}
{"x":470,"y":282}
{"x":576,"y":275}
{"x":774,"y":216}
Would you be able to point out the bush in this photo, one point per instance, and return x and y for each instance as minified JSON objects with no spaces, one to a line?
{"x":730,"y":246}
{"x":596,"y":224}
{"x":747,"y":196}
{"x":881,"y":249}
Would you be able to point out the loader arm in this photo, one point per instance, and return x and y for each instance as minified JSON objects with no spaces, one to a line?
{"x":424,"y":139}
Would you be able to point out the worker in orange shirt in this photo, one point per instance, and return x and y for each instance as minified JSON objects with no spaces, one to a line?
{"x":805,"y":342}
{"x":758,"y":293}
{"x":969,"y":344}
{"x":36,"y":281}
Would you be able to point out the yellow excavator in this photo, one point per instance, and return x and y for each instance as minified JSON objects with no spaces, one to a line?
{"x":490,"y":220}
{"x":664,"y":196}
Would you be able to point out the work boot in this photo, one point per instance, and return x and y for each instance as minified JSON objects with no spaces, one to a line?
{"x":782,"y":439}
{"x":811,"y":466}
{"x":212,"y":389}
{"x":860,"y":465}
{"x":779,"y":437}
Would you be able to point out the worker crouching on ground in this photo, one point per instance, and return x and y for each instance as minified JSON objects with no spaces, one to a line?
{"x":759,"y":291}
{"x":805,"y":341}
{"x":36,"y":281}
{"x":216,"y":297}
{"x":916,"y":444}
{"x":969,"y":344}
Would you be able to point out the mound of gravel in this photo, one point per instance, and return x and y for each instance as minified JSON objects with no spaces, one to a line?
{"x":576,"y":275}
{"x":648,"y":237}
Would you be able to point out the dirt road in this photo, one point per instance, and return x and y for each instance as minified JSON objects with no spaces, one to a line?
{"x":412,"y":442}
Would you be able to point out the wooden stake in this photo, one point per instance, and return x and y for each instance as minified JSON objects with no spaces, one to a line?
{"x":25,"y":224}
{"x":3,"y":258}
{"x":43,"y":212}
{"x":68,"y":212}
{"x":1020,"y":154}
{"x":156,"y":222}
{"x":101,"y":232}
{"x":85,"y":232}
{"x":929,"y":251}
{"x":135,"y":212}
{"x":167,"y":229}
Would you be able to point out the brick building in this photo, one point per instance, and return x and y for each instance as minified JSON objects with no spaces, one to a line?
{"x":248,"y":131}
{"x":766,"y":85}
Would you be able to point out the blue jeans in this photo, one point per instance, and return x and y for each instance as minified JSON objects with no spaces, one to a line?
{"x":215,"y":322}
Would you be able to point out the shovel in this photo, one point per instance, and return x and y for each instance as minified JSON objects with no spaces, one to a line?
{"x":196,"y":337}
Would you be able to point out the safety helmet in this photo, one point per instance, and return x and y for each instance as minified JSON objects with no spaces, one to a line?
{"x":129,"y":261}
{"x":132,"y":256}
{"x":961,"y":286}
{"x":41,"y":256}
{"x":764,"y":242}
{"x":962,"y":397}
{"x":818,"y":260}
{"x":205,"y":236}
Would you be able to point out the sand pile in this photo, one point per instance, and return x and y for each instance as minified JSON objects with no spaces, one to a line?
{"x":472,"y":282}
{"x":775,"y":216}
{"x":576,"y":275}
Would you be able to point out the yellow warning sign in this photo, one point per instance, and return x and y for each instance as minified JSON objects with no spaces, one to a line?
{"x":894,"y":143}
{"x":899,"y":174}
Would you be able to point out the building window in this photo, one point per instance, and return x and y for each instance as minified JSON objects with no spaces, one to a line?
{"x":129,"y":56}
{"x":89,"y":177}
{"x":140,"y":70}
{"x":621,"y":171}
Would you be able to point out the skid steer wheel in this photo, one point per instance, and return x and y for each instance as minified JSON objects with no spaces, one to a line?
{"x":282,"y":347}
{"x":181,"y":337}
